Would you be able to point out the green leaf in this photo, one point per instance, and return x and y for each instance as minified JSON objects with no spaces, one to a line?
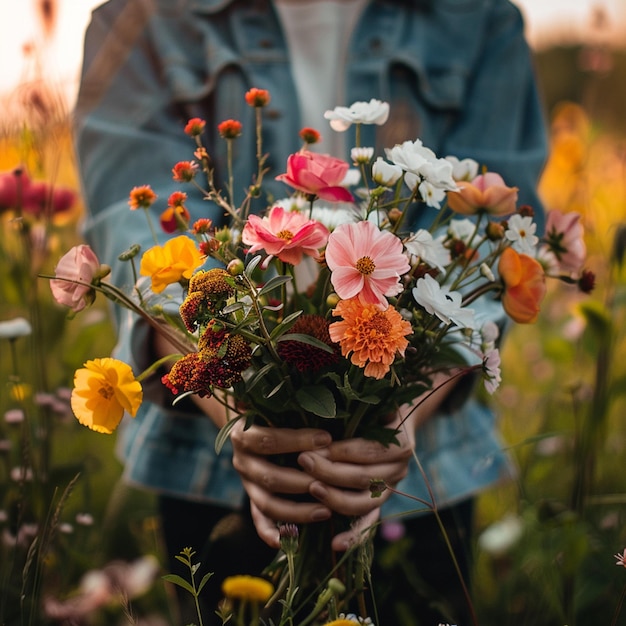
{"x":252,"y":265}
{"x":180,"y":582}
{"x":274,"y":283}
{"x":317,"y":400}
{"x":253,"y":382}
{"x":285,"y":325}
{"x":222,"y":436}
{"x":276,"y":389}
{"x":311,"y":341}
{"x":204,"y":581}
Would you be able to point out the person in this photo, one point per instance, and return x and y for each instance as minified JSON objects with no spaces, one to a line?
{"x":458,"y":75}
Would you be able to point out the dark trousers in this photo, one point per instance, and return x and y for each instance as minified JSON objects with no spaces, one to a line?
{"x":414,"y":579}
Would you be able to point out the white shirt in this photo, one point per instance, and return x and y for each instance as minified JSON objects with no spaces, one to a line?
{"x":318,"y":33}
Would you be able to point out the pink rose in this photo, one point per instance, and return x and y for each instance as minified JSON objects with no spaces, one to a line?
{"x":286,"y":234}
{"x":486,"y":192}
{"x":565,"y":238}
{"x":75,"y":273}
{"x":318,"y":175}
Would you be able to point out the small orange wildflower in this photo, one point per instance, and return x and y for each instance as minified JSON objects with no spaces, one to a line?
{"x":524,"y":285}
{"x":309,"y":135}
{"x":141,"y":197}
{"x":184,"y":171}
{"x":194,"y":126}
{"x":257,"y":97}
{"x":229,"y":129}
{"x":373,"y":336}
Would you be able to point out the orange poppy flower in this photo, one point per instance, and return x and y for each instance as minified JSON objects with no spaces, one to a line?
{"x":524,"y":285}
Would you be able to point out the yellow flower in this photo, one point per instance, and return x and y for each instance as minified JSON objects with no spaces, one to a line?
{"x":171,"y":262}
{"x":341,"y":622}
{"x":248,"y":588}
{"x":103,"y":390}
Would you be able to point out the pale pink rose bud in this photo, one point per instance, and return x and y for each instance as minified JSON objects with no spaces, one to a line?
{"x":75,"y":274}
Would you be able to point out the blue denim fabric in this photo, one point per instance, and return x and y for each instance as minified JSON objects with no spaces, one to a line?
{"x":457,"y":74}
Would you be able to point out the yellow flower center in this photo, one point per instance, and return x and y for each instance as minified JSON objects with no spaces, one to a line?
{"x":365,"y":265}
{"x":106,"y":391}
{"x":287,"y":235}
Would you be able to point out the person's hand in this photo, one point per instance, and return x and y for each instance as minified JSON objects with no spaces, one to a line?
{"x":266,"y":482}
{"x":349,"y":473}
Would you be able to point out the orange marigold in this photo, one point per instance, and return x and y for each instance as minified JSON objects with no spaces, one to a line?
{"x":373,"y":337}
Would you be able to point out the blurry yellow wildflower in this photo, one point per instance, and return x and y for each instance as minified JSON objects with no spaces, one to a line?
{"x":167,"y":264}
{"x":103,"y":390}
{"x":247,"y":588}
{"x":20,"y":392}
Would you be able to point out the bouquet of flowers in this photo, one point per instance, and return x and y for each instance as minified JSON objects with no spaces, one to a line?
{"x":329,"y":308}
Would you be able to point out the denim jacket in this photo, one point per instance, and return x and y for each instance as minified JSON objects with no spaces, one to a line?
{"x":457,"y":74}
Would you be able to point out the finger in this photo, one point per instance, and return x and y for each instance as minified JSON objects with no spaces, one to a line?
{"x":346,"y":501}
{"x":350,"y":475}
{"x":285,"y":510}
{"x":368,"y":451}
{"x":271,"y":477}
{"x":265,"y":527}
{"x":267,"y":440}
{"x":359,"y":531}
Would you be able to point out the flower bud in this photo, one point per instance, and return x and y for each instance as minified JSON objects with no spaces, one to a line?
{"x":495,"y":231}
{"x":235,"y":267}
{"x":129,"y":254}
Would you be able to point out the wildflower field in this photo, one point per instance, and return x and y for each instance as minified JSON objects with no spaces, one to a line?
{"x":78,"y":547}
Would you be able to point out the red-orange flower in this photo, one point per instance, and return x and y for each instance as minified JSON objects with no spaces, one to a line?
{"x":524,"y":285}
{"x":184,"y":171}
{"x":373,"y":337}
{"x":309,"y":135}
{"x":486,"y":192}
{"x":194,"y":126}
{"x":141,"y":197}
{"x":229,"y":129}
{"x":257,"y":97}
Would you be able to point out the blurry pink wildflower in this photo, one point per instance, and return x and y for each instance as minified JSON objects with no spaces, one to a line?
{"x":564,"y":236}
{"x":366,"y":263}
{"x":487,"y":192}
{"x":287,"y":235}
{"x":621,"y":558}
{"x":75,"y":274}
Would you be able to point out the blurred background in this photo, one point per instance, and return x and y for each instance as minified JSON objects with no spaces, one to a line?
{"x":545,"y":544}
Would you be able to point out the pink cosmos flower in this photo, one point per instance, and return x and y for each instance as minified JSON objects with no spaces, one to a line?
{"x":487,"y":192}
{"x":78,"y":264}
{"x":318,"y":175}
{"x":365,"y":262}
{"x":564,"y":235}
{"x":287,"y":235}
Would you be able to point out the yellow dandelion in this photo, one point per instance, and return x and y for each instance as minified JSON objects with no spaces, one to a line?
{"x":103,"y":390}
{"x":247,"y":588}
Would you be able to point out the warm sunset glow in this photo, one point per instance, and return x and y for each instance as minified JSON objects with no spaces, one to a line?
{"x":57,"y":56}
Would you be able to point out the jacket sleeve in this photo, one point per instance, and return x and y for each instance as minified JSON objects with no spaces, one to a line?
{"x":128,"y":132}
{"x":501,"y":123}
